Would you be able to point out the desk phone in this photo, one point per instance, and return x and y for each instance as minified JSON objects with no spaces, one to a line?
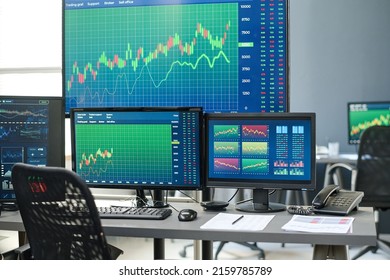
{"x":334,"y":200}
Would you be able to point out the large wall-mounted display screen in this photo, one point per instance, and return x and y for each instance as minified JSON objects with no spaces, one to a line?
{"x":224,"y":56}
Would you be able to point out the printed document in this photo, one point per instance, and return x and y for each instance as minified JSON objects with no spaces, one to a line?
{"x":326,"y":224}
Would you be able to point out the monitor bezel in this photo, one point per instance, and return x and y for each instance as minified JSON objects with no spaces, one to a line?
{"x":349,"y":126}
{"x":57,"y":141}
{"x":261,"y":183}
{"x":141,"y":187}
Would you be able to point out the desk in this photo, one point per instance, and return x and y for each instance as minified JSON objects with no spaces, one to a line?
{"x":341,"y":158}
{"x":326,"y":245}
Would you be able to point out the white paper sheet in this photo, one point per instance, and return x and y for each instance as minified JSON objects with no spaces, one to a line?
{"x":245,"y":222}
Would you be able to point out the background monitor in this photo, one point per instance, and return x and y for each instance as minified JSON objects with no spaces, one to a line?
{"x":263,"y":152}
{"x":223,"y":56}
{"x":362,"y":115}
{"x":138,"y":148}
{"x":31,"y":131}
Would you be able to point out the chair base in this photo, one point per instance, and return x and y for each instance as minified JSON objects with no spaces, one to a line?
{"x":380,"y":244}
{"x":253,"y":246}
{"x":183,"y":253}
{"x":261,"y":255}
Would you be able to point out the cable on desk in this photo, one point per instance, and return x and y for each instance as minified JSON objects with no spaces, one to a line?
{"x":300,"y":210}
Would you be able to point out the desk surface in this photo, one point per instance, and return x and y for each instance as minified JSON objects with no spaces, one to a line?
{"x":364,"y":232}
{"x":341,"y":158}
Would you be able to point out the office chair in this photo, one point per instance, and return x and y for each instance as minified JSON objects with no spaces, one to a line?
{"x":59,"y":215}
{"x":372,"y":176}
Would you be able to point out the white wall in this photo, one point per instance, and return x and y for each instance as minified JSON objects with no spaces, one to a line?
{"x":339,"y":52}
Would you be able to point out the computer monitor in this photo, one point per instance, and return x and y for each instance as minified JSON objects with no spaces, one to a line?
{"x":262,"y":152}
{"x":31,"y":131}
{"x":362,"y":115}
{"x":138,"y":148}
{"x":224,"y":56}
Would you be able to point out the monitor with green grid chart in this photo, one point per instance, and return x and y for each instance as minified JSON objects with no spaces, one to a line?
{"x":138,"y":148}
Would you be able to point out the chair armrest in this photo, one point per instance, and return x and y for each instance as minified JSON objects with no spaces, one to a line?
{"x":22,"y":249}
{"x":20,"y":253}
{"x":347,"y":166}
{"x":332,"y":171}
{"x":23,"y":252}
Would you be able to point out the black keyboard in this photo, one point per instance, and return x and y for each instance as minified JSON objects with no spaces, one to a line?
{"x":142,"y":213}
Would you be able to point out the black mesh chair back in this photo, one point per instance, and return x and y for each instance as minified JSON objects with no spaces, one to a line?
{"x":59,"y":214}
{"x":373,"y":177}
{"x":373,"y":167}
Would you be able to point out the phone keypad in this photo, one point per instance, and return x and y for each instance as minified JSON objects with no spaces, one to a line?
{"x":341,"y":201}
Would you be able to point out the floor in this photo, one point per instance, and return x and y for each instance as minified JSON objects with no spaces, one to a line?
{"x":231,"y":251}
{"x":142,"y":249}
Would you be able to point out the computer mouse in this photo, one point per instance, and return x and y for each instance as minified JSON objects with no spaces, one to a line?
{"x":186,"y":215}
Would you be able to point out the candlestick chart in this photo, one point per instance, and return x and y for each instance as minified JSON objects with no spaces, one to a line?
{"x":125,"y":151}
{"x":171,"y":55}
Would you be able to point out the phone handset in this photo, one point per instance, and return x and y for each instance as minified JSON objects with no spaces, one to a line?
{"x":320,"y":200}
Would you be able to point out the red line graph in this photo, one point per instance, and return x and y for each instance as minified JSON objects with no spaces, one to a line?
{"x":226,"y":164}
{"x":255,"y":131}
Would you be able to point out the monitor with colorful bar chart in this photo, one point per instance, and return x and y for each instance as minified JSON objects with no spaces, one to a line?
{"x":224,"y":56}
{"x":265,"y":151}
{"x":362,"y":115}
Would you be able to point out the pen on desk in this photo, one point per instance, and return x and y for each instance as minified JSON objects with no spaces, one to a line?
{"x":242,"y":216}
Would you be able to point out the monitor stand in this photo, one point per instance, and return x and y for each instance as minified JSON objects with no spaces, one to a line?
{"x":142,"y":201}
{"x":260,"y":203}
